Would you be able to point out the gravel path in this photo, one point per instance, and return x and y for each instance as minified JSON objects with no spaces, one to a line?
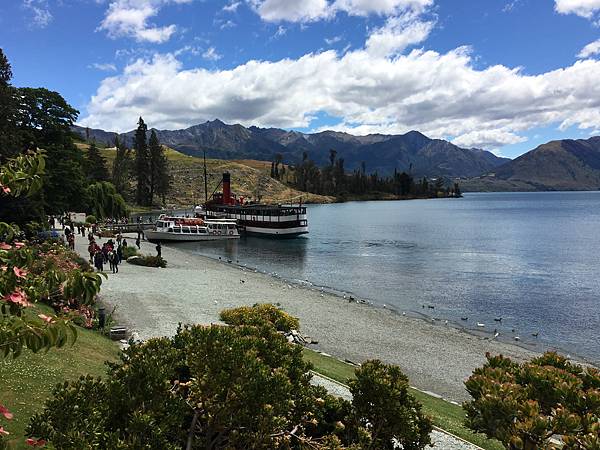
{"x":439,"y":438}
{"x":194,"y":289}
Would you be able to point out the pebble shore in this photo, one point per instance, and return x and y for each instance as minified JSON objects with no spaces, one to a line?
{"x":194,"y":289}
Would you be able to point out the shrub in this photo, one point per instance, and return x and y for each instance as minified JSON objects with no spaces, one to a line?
{"x":219,"y":387}
{"x":91,"y":219}
{"x":382,"y":404}
{"x":107,"y":234}
{"x":147,"y":261}
{"x":259,"y":314}
{"x":524,"y":405}
{"x":129,"y":251}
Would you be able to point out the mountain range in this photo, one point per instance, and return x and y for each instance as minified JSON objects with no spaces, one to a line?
{"x":557,"y":165}
{"x":411,"y":152}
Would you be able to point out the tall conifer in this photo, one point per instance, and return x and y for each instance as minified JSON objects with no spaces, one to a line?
{"x":142,"y":165}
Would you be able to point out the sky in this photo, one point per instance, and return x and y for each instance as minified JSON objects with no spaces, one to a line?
{"x":503,"y":75}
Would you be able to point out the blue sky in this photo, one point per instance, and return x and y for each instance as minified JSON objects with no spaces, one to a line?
{"x":496,"y":74}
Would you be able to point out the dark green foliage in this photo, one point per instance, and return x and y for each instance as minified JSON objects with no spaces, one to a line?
{"x":91,"y":219}
{"x":381,"y":399}
{"x":159,"y":170}
{"x":260,"y":314}
{"x":333,"y":180}
{"x":524,"y":405}
{"x":129,"y":251}
{"x":95,"y":164}
{"x":147,"y":261}
{"x":142,"y":165}
{"x":121,"y":167}
{"x":226,"y":387}
{"x":105,"y":201}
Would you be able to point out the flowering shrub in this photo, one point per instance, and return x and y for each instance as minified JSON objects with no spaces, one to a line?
{"x":147,"y":261}
{"x":31,"y":273}
{"x":260,"y":313}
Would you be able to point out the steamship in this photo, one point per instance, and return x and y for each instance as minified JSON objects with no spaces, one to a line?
{"x":282,"y":221}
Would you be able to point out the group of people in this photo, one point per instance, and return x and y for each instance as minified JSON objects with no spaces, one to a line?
{"x":110,"y":253}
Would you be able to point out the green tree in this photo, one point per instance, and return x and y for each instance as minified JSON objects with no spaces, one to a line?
{"x":525,"y":405}
{"x":142,"y":165}
{"x":159,"y":169}
{"x":105,"y":201}
{"x":95,"y":164}
{"x":121,"y":167}
{"x":9,"y":139}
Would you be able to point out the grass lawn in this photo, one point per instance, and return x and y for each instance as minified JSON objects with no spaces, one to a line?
{"x":27,"y":381}
{"x":446,"y":415}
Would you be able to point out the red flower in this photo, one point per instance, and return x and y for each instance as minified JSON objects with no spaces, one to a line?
{"x":18,"y":297}
{"x":46,"y":318}
{"x":5,"y":189}
{"x":20,"y":273}
{"x":5,"y":412}
{"x":35,"y":442}
{"x":3,"y":432}
{"x":4,"y":246}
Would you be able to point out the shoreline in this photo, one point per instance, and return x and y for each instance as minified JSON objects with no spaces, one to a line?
{"x":195,"y":288}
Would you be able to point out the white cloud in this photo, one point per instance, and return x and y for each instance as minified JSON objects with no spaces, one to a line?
{"x":232,"y":7}
{"x":488,"y":139}
{"x":40,"y":10}
{"x":104,"y":67}
{"x":211,"y":54}
{"x":129,"y":18}
{"x":583,"y":8}
{"x":333,"y":40}
{"x":313,"y":10}
{"x":593,"y":48}
{"x":397,"y":34}
{"x":439,"y":94}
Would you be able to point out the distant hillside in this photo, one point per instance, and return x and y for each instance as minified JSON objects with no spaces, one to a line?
{"x":249,"y":179}
{"x":412,"y":151}
{"x":558,"y":165}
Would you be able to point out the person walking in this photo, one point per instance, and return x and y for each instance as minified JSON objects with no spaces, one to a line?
{"x":137,"y":242}
{"x":71,"y":241}
{"x":119,"y":254}
{"x":124,"y":244}
{"x":99,"y":261}
{"x":159,"y":250}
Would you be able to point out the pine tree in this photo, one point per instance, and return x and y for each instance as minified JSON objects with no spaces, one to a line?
{"x":159,"y":173}
{"x":95,"y":165}
{"x":121,"y":167}
{"x":142,"y":165}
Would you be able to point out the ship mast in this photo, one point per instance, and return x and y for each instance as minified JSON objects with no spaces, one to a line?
{"x":205,"y":180}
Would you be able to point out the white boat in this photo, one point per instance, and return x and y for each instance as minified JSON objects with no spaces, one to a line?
{"x":173,"y":228}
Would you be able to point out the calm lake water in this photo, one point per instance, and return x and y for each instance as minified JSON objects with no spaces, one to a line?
{"x":530,"y":258}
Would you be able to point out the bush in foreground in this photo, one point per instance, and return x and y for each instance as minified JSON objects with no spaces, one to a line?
{"x":221,"y":387}
{"x":525,"y":405}
{"x":258,"y":314}
{"x":129,"y":251}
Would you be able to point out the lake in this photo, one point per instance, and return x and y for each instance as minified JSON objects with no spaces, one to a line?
{"x":531,"y":259}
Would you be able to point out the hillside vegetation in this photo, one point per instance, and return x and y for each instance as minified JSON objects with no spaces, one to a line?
{"x":249,"y":178}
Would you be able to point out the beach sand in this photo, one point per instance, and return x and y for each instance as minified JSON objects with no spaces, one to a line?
{"x":194,"y":289}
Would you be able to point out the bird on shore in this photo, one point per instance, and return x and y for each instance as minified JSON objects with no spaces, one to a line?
{"x":464,"y":318}
{"x":445,"y":322}
{"x":403,"y":313}
{"x":480,"y":325}
{"x":517,"y":338}
{"x":496,"y":334}
{"x":215,"y":302}
{"x":242,"y":281}
{"x":498,"y":319}
{"x":536,"y":334}
{"x":229,"y":261}
{"x":431,"y":306}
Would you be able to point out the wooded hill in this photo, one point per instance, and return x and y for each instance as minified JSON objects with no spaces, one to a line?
{"x":250,"y":178}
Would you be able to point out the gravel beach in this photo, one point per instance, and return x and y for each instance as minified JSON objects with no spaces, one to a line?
{"x":193,"y":289}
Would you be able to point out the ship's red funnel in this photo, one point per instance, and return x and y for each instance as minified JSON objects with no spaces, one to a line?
{"x":227,"y":189}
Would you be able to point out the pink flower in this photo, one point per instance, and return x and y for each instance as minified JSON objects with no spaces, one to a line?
{"x":19,"y":244}
{"x":35,"y":442}
{"x":3,"y":432}
{"x":46,"y":318}
{"x":18,"y":297}
{"x":5,"y":189}
{"x":20,"y":273}
{"x":5,"y":412}
{"x":3,"y":268}
{"x":5,"y":246}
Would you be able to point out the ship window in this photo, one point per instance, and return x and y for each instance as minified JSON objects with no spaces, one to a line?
{"x":185,"y":229}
